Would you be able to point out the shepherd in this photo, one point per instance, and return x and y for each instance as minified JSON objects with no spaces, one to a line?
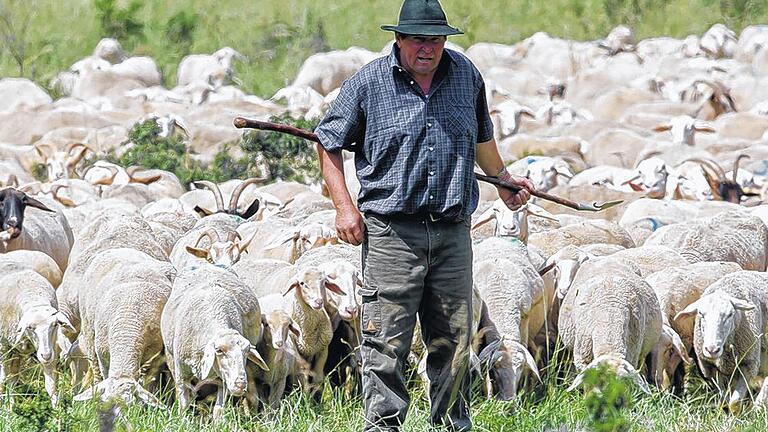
{"x":417,"y":121}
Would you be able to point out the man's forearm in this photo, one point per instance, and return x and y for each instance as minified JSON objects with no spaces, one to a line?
{"x":332,"y":169}
{"x":488,"y":158}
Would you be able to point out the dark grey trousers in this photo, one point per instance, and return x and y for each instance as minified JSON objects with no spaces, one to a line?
{"x":409,"y":267}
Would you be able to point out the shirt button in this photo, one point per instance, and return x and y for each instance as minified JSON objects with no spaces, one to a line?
{"x":431,"y":197}
{"x":431,"y":173}
{"x":411,"y":82}
{"x":431,"y":148}
{"x":429,"y":125}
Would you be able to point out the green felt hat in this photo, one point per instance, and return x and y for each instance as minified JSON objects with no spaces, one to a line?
{"x":424,"y":18}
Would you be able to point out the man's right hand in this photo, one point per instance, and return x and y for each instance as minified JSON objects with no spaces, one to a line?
{"x":349,"y":225}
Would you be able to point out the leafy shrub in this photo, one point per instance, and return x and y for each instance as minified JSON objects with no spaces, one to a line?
{"x":271,"y":155}
{"x":120,"y":23}
{"x":287,"y":157}
{"x":608,"y":400}
{"x":151,"y":151}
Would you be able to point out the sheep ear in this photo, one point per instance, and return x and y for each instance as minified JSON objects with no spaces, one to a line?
{"x":264,"y":320}
{"x":202,"y":211}
{"x":64,"y":322}
{"x":277,"y":244}
{"x":332,"y":287}
{"x":206,"y":365}
{"x":31,"y":202}
{"x":294,"y":285}
{"x":537,"y":213}
{"x":252,"y":209}
{"x":528,"y":358}
{"x":662,"y":128}
{"x":84,"y":396}
{"x":254,"y":356}
{"x":680,"y":348}
{"x":692,"y":309}
{"x":359,"y":281}
{"x":293,"y":328}
{"x":147,"y":397}
{"x":198,"y":252}
{"x":486,"y":217}
{"x":577,"y":382}
{"x":21,"y":328}
{"x":703,"y":127}
{"x":547,"y":268}
{"x":740,"y":304}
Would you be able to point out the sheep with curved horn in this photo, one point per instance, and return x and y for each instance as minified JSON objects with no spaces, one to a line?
{"x":214,"y":188}
{"x":254,"y":207}
{"x":726,"y":189}
{"x":720,"y":101}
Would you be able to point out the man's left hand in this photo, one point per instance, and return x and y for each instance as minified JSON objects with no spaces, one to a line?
{"x":515,"y":200}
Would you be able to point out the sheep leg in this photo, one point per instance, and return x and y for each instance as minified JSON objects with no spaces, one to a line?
{"x":276,"y":394}
{"x":762,"y":398}
{"x":49,"y":372}
{"x":740,"y":390}
{"x":218,"y":406}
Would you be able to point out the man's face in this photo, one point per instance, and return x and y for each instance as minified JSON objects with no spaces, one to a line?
{"x":420,"y":55}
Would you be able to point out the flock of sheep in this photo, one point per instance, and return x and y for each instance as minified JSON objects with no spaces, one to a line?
{"x":120,"y":275}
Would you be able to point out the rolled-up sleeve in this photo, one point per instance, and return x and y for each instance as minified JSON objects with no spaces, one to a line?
{"x":344,"y":123}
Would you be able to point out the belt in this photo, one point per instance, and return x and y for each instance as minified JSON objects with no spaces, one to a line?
{"x":421,"y":216}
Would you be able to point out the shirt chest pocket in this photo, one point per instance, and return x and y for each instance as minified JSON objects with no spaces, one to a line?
{"x":461,"y":120}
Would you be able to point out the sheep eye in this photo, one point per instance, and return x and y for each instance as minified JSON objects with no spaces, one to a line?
{"x":219,"y":351}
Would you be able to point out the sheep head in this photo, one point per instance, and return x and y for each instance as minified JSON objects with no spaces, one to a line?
{"x":13,"y":202}
{"x":126,"y":390}
{"x":39,"y":325}
{"x":277,"y":325}
{"x":684,"y":128}
{"x":507,"y":361}
{"x":651,"y":177}
{"x":222,"y":253}
{"x":61,"y":164}
{"x":511,"y":223}
{"x":616,"y":364}
{"x":227,"y":355}
{"x":717,"y":315}
{"x":345,"y":276}
{"x":666,"y":356}
{"x":565,"y":264}
{"x":310,"y":286}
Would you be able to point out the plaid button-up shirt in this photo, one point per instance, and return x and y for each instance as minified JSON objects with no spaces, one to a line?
{"x":414,"y":153}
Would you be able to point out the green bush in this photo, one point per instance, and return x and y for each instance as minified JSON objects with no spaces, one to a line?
{"x":287,"y":157}
{"x":271,"y":155}
{"x":608,"y":400}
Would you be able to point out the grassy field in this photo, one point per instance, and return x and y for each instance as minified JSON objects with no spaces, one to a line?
{"x":544,"y":407}
{"x":41,"y":37}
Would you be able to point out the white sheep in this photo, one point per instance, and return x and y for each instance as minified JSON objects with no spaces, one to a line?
{"x":38,"y":262}
{"x":30,"y":314}
{"x":511,"y":291}
{"x":610,"y":317}
{"x":307,"y":307}
{"x":41,"y":227}
{"x":732,"y":236}
{"x":279,"y":352}
{"x":511,"y":223}
{"x":211,"y":326}
{"x":206,"y":68}
{"x":730,"y":335}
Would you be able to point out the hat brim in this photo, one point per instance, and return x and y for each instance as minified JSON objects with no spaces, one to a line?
{"x":423,"y":29}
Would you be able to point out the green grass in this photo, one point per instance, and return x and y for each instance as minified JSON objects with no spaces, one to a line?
{"x":543,"y":407}
{"x":277,"y":36}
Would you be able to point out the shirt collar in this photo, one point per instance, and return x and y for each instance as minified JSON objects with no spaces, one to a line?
{"x":394,"y":57}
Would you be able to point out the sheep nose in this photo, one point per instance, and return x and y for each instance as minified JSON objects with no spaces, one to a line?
{"x":279,"y":344}
{"x":46,"y":357}
{"x":712,"y":351}
{"x":12,"y":221}
{"x":351,"y":310}
{"x":319,"y":303}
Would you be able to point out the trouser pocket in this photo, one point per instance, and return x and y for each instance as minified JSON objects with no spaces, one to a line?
{"x":371,"y":323}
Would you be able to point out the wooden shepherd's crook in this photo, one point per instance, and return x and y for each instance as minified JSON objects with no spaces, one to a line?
{"x":241,"y":123}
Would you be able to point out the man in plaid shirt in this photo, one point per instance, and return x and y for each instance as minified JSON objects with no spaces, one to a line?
{"x":417,"y":121}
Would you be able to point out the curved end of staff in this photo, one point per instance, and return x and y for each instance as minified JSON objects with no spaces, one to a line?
{"x":607,"y":205}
